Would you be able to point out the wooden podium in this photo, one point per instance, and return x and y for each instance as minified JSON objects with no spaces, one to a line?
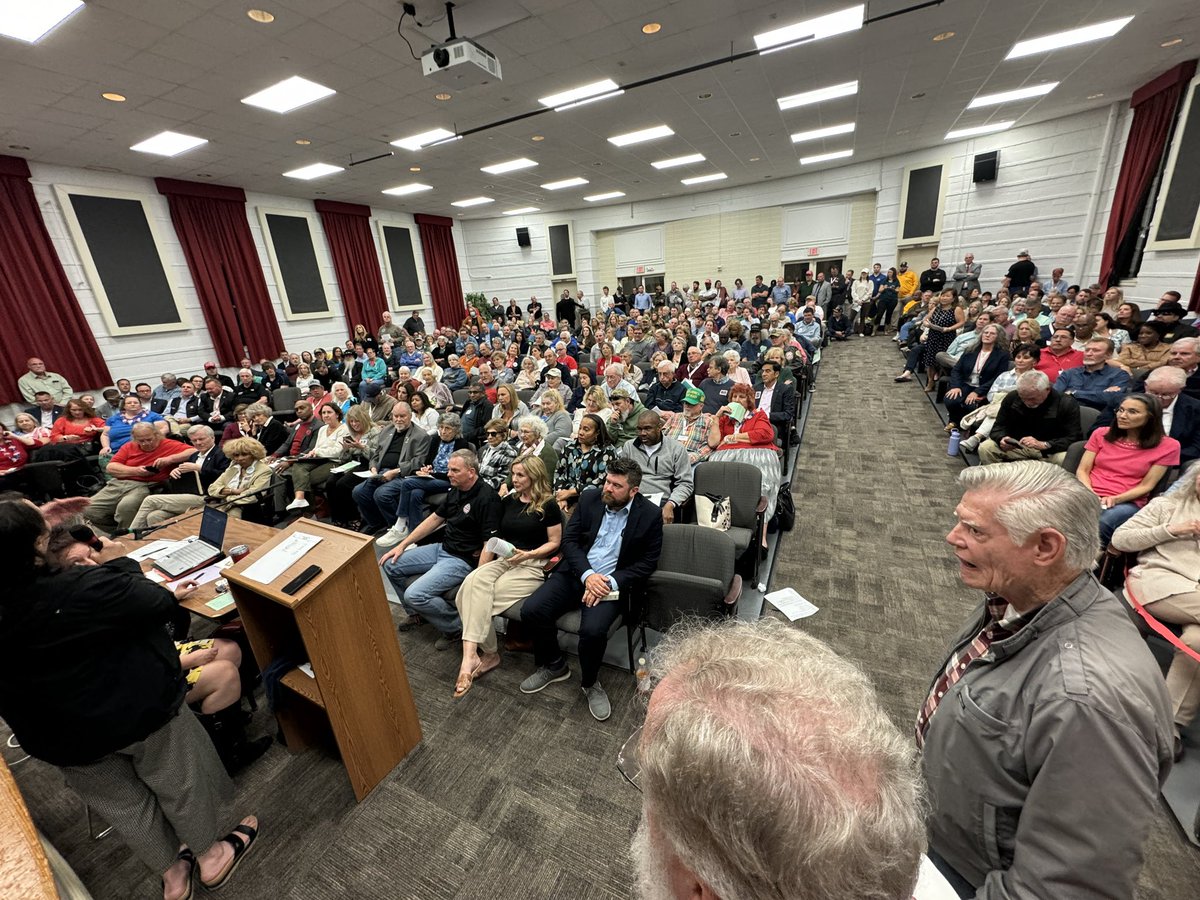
{"x":340,"y":623}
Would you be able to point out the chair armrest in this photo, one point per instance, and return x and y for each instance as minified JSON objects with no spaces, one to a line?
{"x":734,"y":594}
{"x":762,"y":505}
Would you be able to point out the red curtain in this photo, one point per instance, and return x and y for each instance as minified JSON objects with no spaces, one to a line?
{"x":441,"y":265}
{"x":210,"y":221}
{"x":1154,"y":108}
{"x":37,"y":305}
{"x":348,"y":230}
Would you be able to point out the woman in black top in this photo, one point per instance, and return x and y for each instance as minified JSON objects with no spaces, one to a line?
{"x":90,"y":681}
{"x":532,"y":523}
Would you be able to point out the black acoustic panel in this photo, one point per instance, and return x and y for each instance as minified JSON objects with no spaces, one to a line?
{"x":987,"y":165}
{"x":560,"y":250}
{"x":523,"y":237}
{"x":1182,"y":202}
{"x":292,"y":240}
{"x":403,"y":265}
{"x":126,"y":258}
{"x":921,"y":204}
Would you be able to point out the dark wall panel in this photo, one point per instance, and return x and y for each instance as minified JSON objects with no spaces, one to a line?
{"x":921,"y":204}
{"x":292,"y":240}
{"x":560,"y":250}
{"x":403,"y":264}
{"x":1182,"y":203}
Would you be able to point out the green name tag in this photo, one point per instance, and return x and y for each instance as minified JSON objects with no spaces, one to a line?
{"x":220,"y":601}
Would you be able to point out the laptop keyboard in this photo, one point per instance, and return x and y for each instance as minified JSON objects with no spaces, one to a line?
{"x":187,"y":557}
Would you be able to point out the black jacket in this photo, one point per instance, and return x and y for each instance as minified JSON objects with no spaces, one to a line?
{"x":960,"y":376}
{"x":641,"y":542}
{"x":222,"y":404}
{"x":1056,"y":421}
{"x":273,"y":435}
{"x":783,"y":404}
{"x":36,"y":412}
{"x":191,"y":406}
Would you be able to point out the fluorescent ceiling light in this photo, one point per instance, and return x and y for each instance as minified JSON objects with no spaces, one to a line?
{"x":472,"y":201}
{"x":291,"y":93}
{"x":979,"y":129}
{"x":594,"y":89}
{"x":565,"y":183}
{"x":817,"y":133}
{"x":511,"y":166}
{"x":316,"y":170}
{"x":169,"y":143}
{"x":825,"y":157}
{"x":424,"y":139}
{"x":611,"y":195}
{"x":850,"y":19}
{"x":588,"y":100}
{"x":1064,"y":40}
{"x":848,"y":89}
{"x":700,"y":179}
{"x":521,"y":211}
{"x":1037,"y":90}
{"x":678,"y":161}
{"x":31,"y":20}
{"x":637,"y":137}
{"x":402,"y":190}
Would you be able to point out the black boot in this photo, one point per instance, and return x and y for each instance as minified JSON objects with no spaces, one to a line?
{"x":227,"y":728}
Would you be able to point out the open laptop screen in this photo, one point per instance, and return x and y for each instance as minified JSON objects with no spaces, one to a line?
{"x":212,"y":527}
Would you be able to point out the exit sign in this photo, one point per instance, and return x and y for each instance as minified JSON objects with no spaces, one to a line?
{"x":641,"y":270}
{"x":814,"y":251}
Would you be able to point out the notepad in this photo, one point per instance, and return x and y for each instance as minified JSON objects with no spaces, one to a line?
{"x":220,"y":602}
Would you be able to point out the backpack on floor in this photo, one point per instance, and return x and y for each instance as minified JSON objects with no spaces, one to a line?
{"x":785,"y":508}
{"x":868,"y":327}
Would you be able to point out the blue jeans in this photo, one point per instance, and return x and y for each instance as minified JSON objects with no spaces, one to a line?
{"x":1113,"y":518}
{"x":377,"y":501}
{"x":906,"y":329}
{"x":442,"y":572}
{"x":410,"y":499}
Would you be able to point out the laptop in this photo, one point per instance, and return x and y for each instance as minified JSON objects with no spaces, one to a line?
{"x":198,"y":553}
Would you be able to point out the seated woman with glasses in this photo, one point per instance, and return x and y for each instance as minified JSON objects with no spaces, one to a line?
{"x":497,"y":454}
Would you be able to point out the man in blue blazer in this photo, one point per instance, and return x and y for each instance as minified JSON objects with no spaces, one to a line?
{"x":611,"y":545}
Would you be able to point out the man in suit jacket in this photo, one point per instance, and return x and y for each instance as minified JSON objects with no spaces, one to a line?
{"x":183,"y":409}
{"x":216,"y":404}
{"x":44,"y":409}
{"x":612,"y":544}
{"x":399,"y":451}
{"x":966,"y":275}
{"x":780,"y":402}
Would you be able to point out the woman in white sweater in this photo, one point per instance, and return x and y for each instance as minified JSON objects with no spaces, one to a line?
{"x":312,"y":469}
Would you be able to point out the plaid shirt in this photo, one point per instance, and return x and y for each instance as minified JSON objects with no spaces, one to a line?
{"x":693,"y":434}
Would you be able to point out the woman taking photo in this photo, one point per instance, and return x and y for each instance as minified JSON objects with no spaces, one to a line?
{"x":90,"y":682}
{"x":746,"y":435}
{"x":972,"y":376}
{"x":312,"y":469}
{"x":583,"y":462}
{"x":1124,"y":462}
{"x":359,"y":445}
{"x":531,"y":522}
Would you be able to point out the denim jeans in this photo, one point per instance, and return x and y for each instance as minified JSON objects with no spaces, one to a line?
{"x":377,"y":501}
{"x":410,"y":501}
{"x":1113,"y":518}
{"x":442,"y":572}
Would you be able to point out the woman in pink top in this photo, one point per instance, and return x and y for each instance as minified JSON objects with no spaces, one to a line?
{"x":1123,"y":463}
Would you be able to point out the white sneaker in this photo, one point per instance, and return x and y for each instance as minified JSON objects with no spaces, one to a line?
{"x":297,"y":504}
{"x":393,"y":535}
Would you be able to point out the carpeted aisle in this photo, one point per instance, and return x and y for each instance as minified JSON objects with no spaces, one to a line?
{"x":875,"y":494}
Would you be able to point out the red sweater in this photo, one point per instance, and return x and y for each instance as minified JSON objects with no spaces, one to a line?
{"x":132,"y":455}
{"x":757,"y":425}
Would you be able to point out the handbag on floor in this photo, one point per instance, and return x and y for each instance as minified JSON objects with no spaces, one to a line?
{"x":713,"y":511}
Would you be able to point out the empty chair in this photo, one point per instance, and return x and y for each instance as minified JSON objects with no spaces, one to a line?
{"x":460,"y":398}
{"x":283,"y":403}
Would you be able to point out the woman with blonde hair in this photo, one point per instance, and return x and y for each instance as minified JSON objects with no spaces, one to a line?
{"x":554,"y":414}
{"x":531,"y":525}
{"x":359,"y":444}
{"x":304,"y":378}
{"x":595,"y":401}
{"x":247,"y":474}
{"x":509,"y":407}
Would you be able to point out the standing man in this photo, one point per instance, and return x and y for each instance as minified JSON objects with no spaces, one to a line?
{"x":389,"y":332}
{"x":414,"y":324}
{"x":934,"y":278}
{"x":641,"y":300}
{"x":821,"y":292}
{"x":38,"y":379}
{"x":1047,"y":733}
{"x":1020,"y":275}
{"x":780,"y":292}
{"x":966,"y":276}
{"x":610,"y":547}
{"x":909,"y":285}
{"x":839,"y":291}
{"x":760,"y":294}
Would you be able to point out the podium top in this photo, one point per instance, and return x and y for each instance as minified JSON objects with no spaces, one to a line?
{"x":337,"y":545}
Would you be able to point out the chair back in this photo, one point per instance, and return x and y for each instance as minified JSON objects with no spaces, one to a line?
{"x":283,"y":402}
{"x":460,"y":398}
{"x":1074,"y":456}
{"x":1087,"y":419}
{"x":695,"y":575}
{"x":741,"y":482}
{"x":525,"y":396}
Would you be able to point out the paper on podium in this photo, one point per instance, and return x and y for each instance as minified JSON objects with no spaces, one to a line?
{"x":791,"y":604}
{"x":277,"y":561}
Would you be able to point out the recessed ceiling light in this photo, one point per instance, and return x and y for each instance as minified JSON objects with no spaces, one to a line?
{"x":565,"y":183}
{"x":817,"y":133}
{"x":1094,"y":96}
{"x":442,"y":95}
{"x":169,"y":143}
{"x":512,"y":165}
{"x":755,"y":158}
{"x":17,"y":147}
{"x":637,"y":137}
{"x":917,"y":96}
{"x":611,"y":195}
{"x":700,"y":179}
{"x":979,"y":129}
{"x":113,"y":96}
{"x":538,"y":137}
{"x":261,"y":16}
{"x":424,"y":139}
{"x":678,"y":161}
{"x":404,"y":189}
{"x":651,"y":28}
{"x":705,"y":96}
{"x":944,"y":36}
{"x":472,"y":201}
{"x":596,"y":89}
{"x":825,"y":157}
{"x":1037,"y":90}
{"x":1171,"y":42}
{"x":289,"y":94}
{"x":520,"y":212}
{"x":316,"y":170}
{"x":30,"y":22}
{"x":303,"y":142}
{"x":833,"y":92}
{"x":850,"y":19}
{"x":1065,"y":39}
{"x":414,"y":168}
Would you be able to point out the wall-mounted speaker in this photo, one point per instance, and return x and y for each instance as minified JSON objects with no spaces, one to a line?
{"x":523,"y":237}
{"x":986,"y":166}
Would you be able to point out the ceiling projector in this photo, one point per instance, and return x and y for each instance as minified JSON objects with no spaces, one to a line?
{"x":460,"y":61}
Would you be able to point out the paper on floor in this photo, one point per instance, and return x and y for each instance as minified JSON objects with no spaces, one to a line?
{"x":791,"y":604}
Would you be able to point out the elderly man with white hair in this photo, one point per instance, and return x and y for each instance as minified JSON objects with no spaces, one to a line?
{"x":1046,"y":734}
{"x":666,"y":394}
{"x":1185,"y":354}
{"x":614,"y":379}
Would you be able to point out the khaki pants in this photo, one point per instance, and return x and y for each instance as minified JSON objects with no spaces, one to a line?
{"x":990,"y":452}
{"x":158,"y":508}
{"x":114,"y":507}
{"x":1183,"y":678}
{"x":490,"y":590}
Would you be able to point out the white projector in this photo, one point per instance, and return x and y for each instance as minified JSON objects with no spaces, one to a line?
{"x":451,"y":62}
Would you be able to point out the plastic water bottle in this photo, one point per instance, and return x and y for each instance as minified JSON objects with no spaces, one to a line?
{"x":643,"y":676}
{"x":955,"y":439}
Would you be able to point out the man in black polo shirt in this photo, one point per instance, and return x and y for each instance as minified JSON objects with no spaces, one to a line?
{"x":471,"y":515}
{"x":760,"y":294}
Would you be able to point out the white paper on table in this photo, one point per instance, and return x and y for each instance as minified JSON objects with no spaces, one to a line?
{"x":202,"y":576}
{"x":307,"y":669}
{"x":791,"y":604}
{"x":155,"y":550}
{"x":283,"y":557}
{"x":656,"y":498}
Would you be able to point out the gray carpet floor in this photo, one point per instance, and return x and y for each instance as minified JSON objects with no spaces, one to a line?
{"x":519,"y":797}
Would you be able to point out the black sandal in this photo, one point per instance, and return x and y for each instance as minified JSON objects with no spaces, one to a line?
{"x":240,"y":849}
{"x":189,"y":857}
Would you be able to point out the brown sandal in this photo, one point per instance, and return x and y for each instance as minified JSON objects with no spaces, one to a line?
{"x":464,"y":681}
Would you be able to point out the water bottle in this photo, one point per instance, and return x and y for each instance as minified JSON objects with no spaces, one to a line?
{"x":955,"y":438}
{"x":643,"y":676}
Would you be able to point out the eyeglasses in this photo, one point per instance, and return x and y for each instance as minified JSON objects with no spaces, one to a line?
{"x":628,"y":763}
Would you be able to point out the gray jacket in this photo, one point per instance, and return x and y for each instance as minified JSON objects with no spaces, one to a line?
{"x":412,"y":454}
{"x":1044,"y":761}
{"x":669,"y":470}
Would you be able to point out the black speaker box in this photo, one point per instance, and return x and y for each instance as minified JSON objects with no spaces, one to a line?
{"x":523,"y":237}
{"x":986,"y":166}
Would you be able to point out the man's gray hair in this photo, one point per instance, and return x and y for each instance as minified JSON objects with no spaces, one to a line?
{"x":201,"y":429}
{"x":666,"y":365}
{"x":1033,"y":381}
{"x":771,"y":769}
{"x":468,"y":457}
{"x":1038,"y":495}
{"x":1189,"y":343}
{"x":1167,"y":376}
{"x":616,"y":368}
{"x":1108,"y":343}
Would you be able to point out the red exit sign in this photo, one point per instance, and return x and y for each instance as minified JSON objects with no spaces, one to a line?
{"x":814,"y":251}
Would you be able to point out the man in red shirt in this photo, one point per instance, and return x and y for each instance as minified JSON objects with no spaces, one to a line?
{"x":140,"y":464}
{"x":1060,"y":354}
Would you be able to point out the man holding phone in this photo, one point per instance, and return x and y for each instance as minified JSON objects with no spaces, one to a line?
{"x":1034,"y":422}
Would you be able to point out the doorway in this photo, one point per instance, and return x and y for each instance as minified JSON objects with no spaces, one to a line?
{"x":794,"y":271}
